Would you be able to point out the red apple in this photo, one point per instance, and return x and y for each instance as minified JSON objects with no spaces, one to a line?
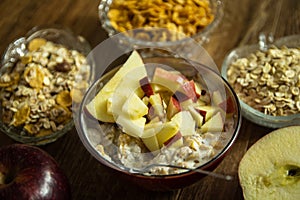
{"x":27,"y":172}
{"x":146,"y":87}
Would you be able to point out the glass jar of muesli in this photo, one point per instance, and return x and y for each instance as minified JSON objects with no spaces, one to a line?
{"x":42,"y":75}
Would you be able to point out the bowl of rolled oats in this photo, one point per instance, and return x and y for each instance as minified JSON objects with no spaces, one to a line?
{"x":166,"y":24}
{"x":159,"y":121}
{"x":41,"y":76}
{"x":266,"y":78}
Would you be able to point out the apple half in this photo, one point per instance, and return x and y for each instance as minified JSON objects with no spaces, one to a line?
{"x":270,"y":169}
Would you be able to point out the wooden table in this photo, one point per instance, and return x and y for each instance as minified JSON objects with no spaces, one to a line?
{"x":241,"y":24}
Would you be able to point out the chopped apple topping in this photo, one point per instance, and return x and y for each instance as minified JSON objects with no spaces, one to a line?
{"x":164,"y":111}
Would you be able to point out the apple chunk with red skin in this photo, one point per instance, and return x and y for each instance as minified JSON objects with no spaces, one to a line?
{"x":168,"y":79}
{"x":27,"y":172}
{"x":173,"y":107}
{"x":146,"y":86}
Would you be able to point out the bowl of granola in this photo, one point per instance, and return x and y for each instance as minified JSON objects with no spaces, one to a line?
{"x":266,"y":78}
{"x":41,"y":76}
{"x":156,"y":120}
{"x":160,"y":24}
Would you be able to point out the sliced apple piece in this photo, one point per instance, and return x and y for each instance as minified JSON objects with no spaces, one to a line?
{"x":207,"y":111}
{"x":151,"y":143}
{"x":168,"y":79}
{"x":188,"y":89}
{"x":173,"y":107}
{"x":149,"y":135}
{"x":217,"y":98}
{"x":156,"y":107}
{"x":152,"y":128}
{"x":197,"y":89}
{"x":196,"y":116}
{"x":157,"y":88}
{"x":168,"y":131}
{"x":214,"y":124}
{"x":175,"y":142}
{"x":135,"y":127}
{"x":98,"y":106}
{"x":146,"y":86}
{"x":134,"y":107}
{"x":185,"y":104}
{"x":270,"y":169}
{"x":185,"y":122}
{"x":109,"y":106}
{"x":128,"y":86}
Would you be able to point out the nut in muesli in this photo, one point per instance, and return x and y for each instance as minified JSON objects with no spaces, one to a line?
{"x":36,"y":93}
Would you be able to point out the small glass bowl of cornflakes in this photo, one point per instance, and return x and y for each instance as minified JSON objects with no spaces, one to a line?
{"x":160,"y":24}
{"x":42,"y":76}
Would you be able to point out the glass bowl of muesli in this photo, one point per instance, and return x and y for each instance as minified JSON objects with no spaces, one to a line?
{"x":42,"y":74}
{"x":150,"y":113}
{"x":266,"y":78}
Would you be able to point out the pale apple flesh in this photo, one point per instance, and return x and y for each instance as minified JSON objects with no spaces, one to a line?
{"x":270,"y":169}
{"x":98,"y":106}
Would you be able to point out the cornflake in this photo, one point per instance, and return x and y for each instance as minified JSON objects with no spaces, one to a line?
{"x":36,"y":93}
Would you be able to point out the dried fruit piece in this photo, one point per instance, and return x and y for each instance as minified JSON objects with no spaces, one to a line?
{"x":34,"y":76}
{"x":63,"y":67}
{"x":21,"y":115}
{"x":64,"y":98}
{"x":36,"y":43}
{"x":26,"y":59}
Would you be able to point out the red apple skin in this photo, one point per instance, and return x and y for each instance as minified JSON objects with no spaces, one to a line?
{"x":164,"y":74}
{"x":146,"y":87}
{"x":227,"y":105}
{"x":190,"y":90}
{"x":180,"y":96}
{"x":173,"y":139}
{"x":202,"y":113}
{"x":31,"y":173}
{"x":173,"y":107}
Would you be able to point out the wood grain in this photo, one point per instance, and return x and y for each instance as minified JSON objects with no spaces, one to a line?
{"x":241,"y":24}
